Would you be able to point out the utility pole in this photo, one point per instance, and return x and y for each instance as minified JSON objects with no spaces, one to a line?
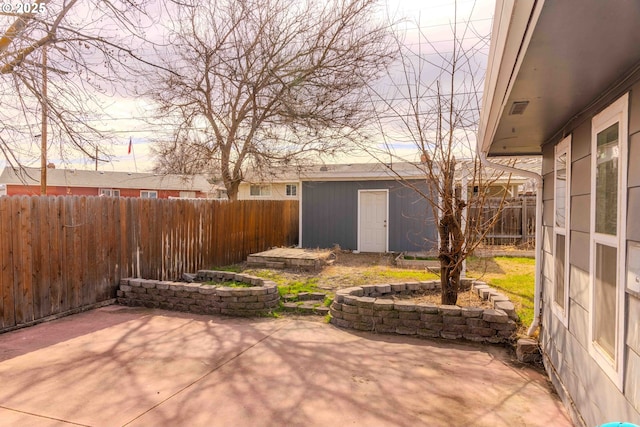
{"x":43,"y":141}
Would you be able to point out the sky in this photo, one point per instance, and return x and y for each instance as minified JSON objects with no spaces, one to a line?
{"x":127,"y":114}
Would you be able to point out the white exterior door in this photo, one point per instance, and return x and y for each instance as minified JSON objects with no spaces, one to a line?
{"x":372,"y":220}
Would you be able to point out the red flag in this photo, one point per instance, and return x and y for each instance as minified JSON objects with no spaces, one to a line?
{"x":130,"y":146}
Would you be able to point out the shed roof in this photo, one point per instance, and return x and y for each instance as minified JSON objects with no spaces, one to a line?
{"x":375,"y":171}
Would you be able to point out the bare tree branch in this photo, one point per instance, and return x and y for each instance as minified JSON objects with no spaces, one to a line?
{"x":265,"y":83}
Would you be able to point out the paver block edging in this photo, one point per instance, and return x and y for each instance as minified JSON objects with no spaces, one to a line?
{"x":353,"y":308}
{"x":259,"y":298}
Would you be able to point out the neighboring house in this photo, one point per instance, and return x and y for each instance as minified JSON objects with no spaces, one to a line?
{"x":564,"y":81}
{"x":26,"y":181}
{"x":283,"y":185}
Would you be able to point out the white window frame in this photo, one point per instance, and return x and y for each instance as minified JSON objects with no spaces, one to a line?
{"x":564,"y":147}
{"x":261,"y":188}
{"x":617,"y":112}
{"x":148,"y":194}
{"x":289,"y":186}
{"x":109,"y":192}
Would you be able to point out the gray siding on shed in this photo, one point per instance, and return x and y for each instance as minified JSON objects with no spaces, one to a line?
{"x":330,"y":215}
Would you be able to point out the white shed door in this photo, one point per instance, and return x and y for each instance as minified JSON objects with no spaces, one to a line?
{"x":373,"y":221}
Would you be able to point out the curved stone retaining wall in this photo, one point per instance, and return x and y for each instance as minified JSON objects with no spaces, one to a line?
{"x":372,"y":308}
{"x":256,"y":300}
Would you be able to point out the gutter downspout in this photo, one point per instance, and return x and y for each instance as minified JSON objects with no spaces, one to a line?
{"x":538,"y":245}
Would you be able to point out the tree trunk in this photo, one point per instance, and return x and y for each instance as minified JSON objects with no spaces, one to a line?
{"x":450,"y":282}
{"x":232,"y":189}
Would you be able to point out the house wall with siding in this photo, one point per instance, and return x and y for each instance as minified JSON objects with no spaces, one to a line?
{"x":572,"y":369}
{"x":278,"y":191}
{"x":330,"y":215}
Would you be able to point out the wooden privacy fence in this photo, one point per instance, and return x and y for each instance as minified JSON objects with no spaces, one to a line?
{"x":515,"y":224}
{"x":63,"y":253}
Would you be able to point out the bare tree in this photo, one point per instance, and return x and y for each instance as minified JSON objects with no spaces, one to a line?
{"x":64,"y":57}
{"x":434,"y":108}
{"x":264,"y":83}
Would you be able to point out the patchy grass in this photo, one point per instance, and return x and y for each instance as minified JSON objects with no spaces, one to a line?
{"x":234,"y":268}
{"x":379,"y":275}
{"x":229,"y":284}
{"x":297,"y":286}
{"x":512,"y":275}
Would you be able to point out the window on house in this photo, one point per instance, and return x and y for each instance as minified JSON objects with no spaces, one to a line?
{"x":260,"y":190}
{"x":608,"y":236}
{"x":291,"y":190}
{"x":149,"y":194}
{"x":561,"y":222}
{"x":109,"y":192}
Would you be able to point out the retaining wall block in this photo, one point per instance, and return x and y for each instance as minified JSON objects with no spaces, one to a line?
{"x":366,"y":302}
{"x":460,"y":329}
{"x":365,"y":311}
{"x":335,"y":313}
{"x":412,"y":315}
{"x":349,"y":308}
{"x":342,"y":323}
{"x":368,"y":290}
{"x":495,"y":316}
{"x":404,"y":305}
{"x":450,"y":310}
{"x":433,"y":326}
{"x":392,"y":314}
{"x":498,"y":297}
{"x":431,"y":318}
{"x":413,"y":286}
{"x":483,"y":332}
{"x":385,"y":329}
{"x":350,"y":317}
{"x":410,"y":323}
{"x":429,"y":333}
{"x":391,"y":321}
{"x":477,"y":322}
{"x":427,"y":308}
{"x":507,"y":307}
{"x":355,"y":291}
{"x":471,"y":312}
{"x":398,"y":287}
{"x":510,"y":325}
{"x":383,"y":289}
{"x":404,"y":330}
{"x":450,"y":335}
{"x":454,"y":320}
{"x":484,"y":293}
{"x":382,"y":304}
{"x":474,"y":338}
{"x":350,"y":300}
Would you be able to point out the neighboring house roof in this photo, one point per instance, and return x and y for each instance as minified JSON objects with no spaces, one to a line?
{"x":105,"y":179}
{"x":374,"y":171}
{"x":537,"y":50}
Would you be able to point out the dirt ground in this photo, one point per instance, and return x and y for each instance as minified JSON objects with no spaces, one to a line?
{"x":347,"y":269}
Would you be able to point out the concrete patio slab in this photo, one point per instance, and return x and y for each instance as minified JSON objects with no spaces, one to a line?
{"x":120,"y":366}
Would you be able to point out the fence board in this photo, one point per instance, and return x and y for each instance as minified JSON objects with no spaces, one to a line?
{"x":514,"y":224}
{"x":61,"y":253}
{"x":8,"y":302}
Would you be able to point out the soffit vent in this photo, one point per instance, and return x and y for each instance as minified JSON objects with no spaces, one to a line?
{"x":518,"y":107}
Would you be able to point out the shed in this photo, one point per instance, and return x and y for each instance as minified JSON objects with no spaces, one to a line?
{"x":366,"y":208}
